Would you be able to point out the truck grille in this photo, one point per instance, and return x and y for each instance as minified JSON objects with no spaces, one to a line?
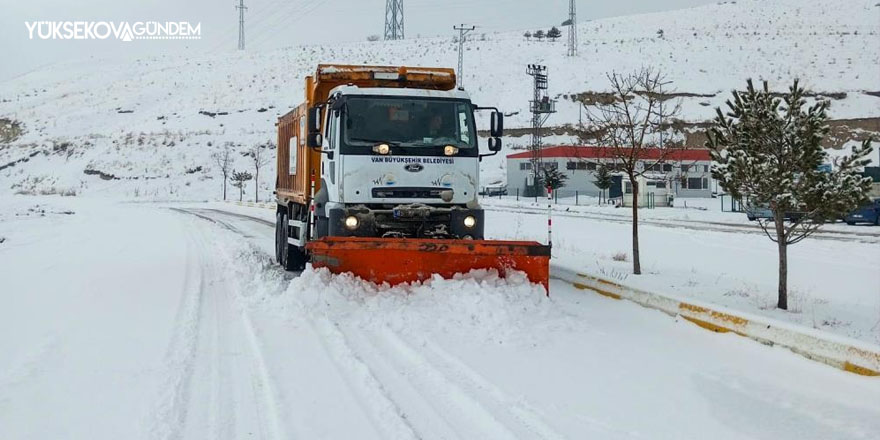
{"x":407,"y":193}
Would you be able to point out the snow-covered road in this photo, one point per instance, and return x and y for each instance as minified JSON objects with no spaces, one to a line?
{"x":161,"y":322}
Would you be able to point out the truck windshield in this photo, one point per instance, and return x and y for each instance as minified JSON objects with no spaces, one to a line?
{"x":411,"y":123}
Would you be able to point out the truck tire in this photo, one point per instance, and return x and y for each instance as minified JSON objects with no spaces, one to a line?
{"x":292,"y":257}
{"x":278,"y":237}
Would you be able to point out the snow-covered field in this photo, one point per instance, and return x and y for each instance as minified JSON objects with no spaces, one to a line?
{"x":140,"y":122}
{"x":714,"y":256}
{"x":189,"y":331}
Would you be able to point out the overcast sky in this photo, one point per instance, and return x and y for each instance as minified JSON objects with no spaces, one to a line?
{"x":276,"y":23}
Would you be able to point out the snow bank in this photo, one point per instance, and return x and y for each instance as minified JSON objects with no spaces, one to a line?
{"x":479,"y":303}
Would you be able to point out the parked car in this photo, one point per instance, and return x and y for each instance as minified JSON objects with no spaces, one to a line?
{"x":490,"y":191}
{"x":867,"y":213}
{"x":754,"y":212}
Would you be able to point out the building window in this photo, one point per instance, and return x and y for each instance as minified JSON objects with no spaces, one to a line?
{"x":685,"y":168}
{"x":667,"y":167}
{"x":627,"y":188}
{"x":525,"y":166}
{"x":591,"y":166}
{"x":551,"y":166}
{"x":572,"y":165}
{"x":705,"y":168}
{"x":695,"y":183}
{"x":660,"y":184}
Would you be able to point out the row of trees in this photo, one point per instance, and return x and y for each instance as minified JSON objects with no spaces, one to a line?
{"x":258,"y":156}
{"x":767,"y":149}
{"x":539,"y":34}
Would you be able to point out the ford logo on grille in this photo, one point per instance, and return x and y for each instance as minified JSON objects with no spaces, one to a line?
{"x":414,"y":167}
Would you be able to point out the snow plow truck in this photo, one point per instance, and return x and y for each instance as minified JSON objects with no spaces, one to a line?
{"x":378,"y":175}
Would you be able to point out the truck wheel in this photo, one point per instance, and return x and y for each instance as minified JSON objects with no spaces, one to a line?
{"x":292,"y":257}
{"x":850,"y":223}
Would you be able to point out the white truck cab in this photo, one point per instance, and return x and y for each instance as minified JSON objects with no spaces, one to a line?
{"x":400,"y":162}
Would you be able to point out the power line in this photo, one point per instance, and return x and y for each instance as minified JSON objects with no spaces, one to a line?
{"x":462,"y":32}
{"x":241,"y":8}
{"x":394,"y":19}
{"x":284,"y":19}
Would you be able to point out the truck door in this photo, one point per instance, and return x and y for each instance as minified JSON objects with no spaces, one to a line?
{"x":329,"y":168}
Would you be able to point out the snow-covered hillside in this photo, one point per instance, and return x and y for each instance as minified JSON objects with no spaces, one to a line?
{"x":143,"y":129}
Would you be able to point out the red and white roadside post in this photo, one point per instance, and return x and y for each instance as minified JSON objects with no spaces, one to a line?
{"x":312,"y":207}
{"x":549,"y":217}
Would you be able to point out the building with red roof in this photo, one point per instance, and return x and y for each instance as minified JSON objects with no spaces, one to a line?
{"x":683,"y":173}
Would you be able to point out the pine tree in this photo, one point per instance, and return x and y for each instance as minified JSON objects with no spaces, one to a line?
{"x":554,"y":33}
{"x":539,"y":34}
{"x":528,"y":35}
{"x":603,"y":179}
{"x":239,"y":179}
{"x":553,"y":178}
{"x":768,"y":150}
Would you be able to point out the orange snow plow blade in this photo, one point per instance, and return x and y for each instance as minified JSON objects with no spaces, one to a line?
{"x":401,"y":260}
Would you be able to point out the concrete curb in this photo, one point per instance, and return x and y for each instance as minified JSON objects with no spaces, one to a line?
{"x":839,"y":352}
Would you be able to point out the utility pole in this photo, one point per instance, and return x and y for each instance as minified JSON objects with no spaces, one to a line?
{"x":572,"y":28}
{"x":541,"y":106}
{"x":393,"y":19}
{"x":241,"y":8}
{"x":462,"y":32}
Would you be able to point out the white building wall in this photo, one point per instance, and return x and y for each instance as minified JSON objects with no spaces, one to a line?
{"x":583,"y":180}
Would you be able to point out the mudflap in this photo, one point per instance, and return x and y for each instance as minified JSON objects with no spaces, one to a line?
{"x":401,"y":260}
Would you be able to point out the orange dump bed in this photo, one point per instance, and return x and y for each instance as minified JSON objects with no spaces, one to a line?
{"x":401,"y":260}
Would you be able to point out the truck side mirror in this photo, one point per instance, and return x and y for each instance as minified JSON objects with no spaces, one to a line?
{"x":313,"y":137}
{"x":497,"y":129}
{"x":314,"y":121}
{"x":314,"y":140}
{"x":495,"y":144}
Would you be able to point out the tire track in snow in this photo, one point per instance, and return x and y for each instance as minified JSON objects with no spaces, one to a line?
{"x":225,"y":355}
{"x":515,"y":412}
{"x":419,"y":383}
{"x":386,"y":416}
{"x":169,"y":415}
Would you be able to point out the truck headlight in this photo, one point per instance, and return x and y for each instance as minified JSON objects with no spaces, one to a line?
{"x":450,"y":150}
{"x":382,"y":149}
{"x":470,"y":221}
{"x":351,"y":222}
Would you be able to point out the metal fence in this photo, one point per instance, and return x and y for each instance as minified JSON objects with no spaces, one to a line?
{"x":561,"y":197}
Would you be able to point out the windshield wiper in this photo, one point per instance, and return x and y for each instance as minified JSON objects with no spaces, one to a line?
{"x":376,"y":141}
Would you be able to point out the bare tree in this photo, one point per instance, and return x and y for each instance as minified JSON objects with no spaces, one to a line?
{"x":223,"y":159}
{"x":628,"y":126}
{"x":259,"y":157}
